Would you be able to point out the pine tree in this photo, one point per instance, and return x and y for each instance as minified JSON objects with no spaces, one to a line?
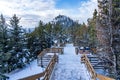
{"x":18,"y":56}
{"x":92,"y":30}
{"x":4,"y":45}
{"x":40,"y":39}
{"x":25,"y":48}
{"x":3,"y":35}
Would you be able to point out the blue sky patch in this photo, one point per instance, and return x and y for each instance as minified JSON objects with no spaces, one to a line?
{"x":67,"y":4}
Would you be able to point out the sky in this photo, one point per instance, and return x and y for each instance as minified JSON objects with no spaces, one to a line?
{"x":32,"y":11}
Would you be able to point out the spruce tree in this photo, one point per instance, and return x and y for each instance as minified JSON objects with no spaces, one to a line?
{"x":4,"y":45}
{"x":3,"y":35}
{"x":92,"y":30}
{"x":18,"y":56}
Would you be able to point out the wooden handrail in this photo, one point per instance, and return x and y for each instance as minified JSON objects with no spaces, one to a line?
{"x":101,"y":77}
{"x":34,"y":77}
{"x":51,"y":50}
{"x":89,"y":66}
{"x":94,"y":76}
{"x":50,"y":67}
{"x":47,"y":73}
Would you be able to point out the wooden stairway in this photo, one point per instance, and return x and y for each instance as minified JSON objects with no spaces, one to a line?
{"x":44,"y":57}
{"x":95,"y":62}
{"x":43,"y":61}
{"x":91,"y":70}
{"x":47,"y":59}
{"x":46,"y":74}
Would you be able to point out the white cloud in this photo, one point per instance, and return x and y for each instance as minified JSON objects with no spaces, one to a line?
{"x":84,"y":12}
{"x":43,"y":9}
{"x":31,"y":11}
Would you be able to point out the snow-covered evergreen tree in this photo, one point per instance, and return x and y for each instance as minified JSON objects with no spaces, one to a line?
{"x":3,"y":35}
{"x":4,"y":45}
{"x":17,"y":38}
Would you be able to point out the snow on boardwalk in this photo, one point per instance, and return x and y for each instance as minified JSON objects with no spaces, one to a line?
{"x":69,"y":66}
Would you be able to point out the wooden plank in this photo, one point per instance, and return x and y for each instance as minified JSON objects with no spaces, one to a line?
{"x":33,"y":77}
{"x":101,"y":77}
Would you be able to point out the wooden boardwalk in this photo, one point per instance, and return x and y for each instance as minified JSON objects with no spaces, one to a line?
{"x":69,"y":67}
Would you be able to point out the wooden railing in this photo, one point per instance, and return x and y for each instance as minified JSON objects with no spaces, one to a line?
{"x":55,"y":50}
{"x":33,"y":77}
{"x":50,"y":67}
{"x":89,"y":66}
{"x":47,"y":73}
{"x":51,"y":50}
{"x":91,"y":70}
{"x":101,"y":77}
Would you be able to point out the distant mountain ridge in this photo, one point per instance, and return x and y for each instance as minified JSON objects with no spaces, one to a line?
{"x":64,"y":21}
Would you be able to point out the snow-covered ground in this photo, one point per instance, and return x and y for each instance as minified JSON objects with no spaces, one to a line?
{"x":70,"y":67}
{"x":31,"y":69}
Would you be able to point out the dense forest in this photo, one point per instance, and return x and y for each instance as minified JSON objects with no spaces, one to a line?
{"x":108,"y":35}
{"x":18,"y":47}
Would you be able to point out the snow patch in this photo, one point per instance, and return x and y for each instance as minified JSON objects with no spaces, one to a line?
{"x":31,"y":69}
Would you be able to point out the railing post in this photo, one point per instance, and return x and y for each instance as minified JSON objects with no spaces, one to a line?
{"x":56,"y":58}
{"x":46,"y":75}
{"x":41,"y":61}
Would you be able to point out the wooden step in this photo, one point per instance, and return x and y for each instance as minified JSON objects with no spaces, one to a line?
{"x":45,"y":60}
